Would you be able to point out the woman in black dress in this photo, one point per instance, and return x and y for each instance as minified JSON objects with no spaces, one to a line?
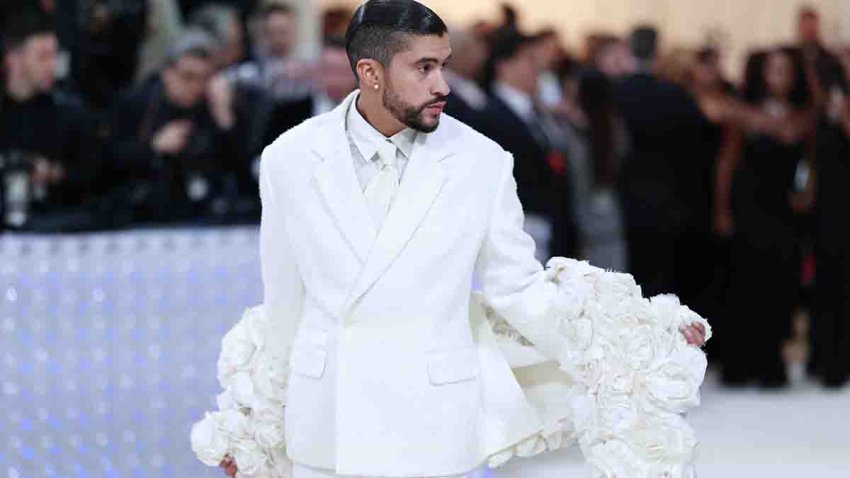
{"x":755,"y":205}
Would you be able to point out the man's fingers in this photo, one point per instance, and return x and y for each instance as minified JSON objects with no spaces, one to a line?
{"x":694,"y":334}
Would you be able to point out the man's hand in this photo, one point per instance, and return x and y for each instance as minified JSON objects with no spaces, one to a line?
{"x":229,"y":467}
{"x":694,"y":334}
{"x":220,"y":100}
{"x":172,"y":138}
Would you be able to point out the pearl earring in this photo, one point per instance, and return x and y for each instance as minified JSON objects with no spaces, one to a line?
{"x":376,"y":86}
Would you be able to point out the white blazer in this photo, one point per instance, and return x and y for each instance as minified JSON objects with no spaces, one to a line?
{"x":388,"y":376}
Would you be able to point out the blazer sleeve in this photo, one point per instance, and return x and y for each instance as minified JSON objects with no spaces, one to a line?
{"x":283,"y":289}
{"x":513,"y":281}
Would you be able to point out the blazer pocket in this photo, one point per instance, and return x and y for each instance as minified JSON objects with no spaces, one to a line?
{"x":452,"y":366}
{"x":308,"y":356}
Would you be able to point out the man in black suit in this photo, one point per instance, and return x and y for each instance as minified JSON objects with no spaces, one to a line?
{"x":467,"y":99}
{"x":513,"y":119}
{"x":820,"y":64}
{"x":333,"y":82}
{"x":657,"y":182}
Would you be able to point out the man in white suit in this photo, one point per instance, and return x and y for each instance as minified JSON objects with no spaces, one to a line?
{"x":374,"y":222}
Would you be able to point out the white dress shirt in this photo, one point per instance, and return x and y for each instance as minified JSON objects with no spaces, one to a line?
{"x":519,"y":102}
{"x":364,"y":140}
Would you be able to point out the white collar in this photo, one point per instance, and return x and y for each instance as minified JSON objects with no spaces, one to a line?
{"x":467,"y":89}
{"x":367,"y":139}
{"x":519,"y":102}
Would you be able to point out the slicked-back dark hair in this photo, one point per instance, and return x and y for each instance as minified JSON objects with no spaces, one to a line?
{"x":23,"y":25}
{"x":379,"y":29}
{"x":755,"y":85}
{"x":644,"y":42}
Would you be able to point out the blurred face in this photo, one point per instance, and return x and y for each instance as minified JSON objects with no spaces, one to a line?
{"x":416,"y":91}
{"x":35,"y":61}
{"x":279,"y":34}
{"x":614,"y":59}
{"x":232,"y":50}
{"x":547,"y":52}
{"x":706,"y":73}
{"x":779,"y":75}
{"x":469,"y":57}
{"x":521,"y":71}
{"x":809,"y":28}
{"x":335,"y":74}
{"x":186,"y":81}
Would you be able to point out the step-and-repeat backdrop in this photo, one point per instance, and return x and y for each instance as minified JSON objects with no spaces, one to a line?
{"x":108,"y":344}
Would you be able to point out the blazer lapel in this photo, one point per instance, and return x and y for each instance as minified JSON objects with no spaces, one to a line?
{"x":421,"y":183}
{"x":337,"y":183}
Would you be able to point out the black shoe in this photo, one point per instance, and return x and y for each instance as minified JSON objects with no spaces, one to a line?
{"x":733,"y":380}
{"x":771,"y":382}
{"x":834,"y":382}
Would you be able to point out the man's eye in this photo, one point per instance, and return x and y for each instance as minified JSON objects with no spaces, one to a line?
{"x":424,"y":68}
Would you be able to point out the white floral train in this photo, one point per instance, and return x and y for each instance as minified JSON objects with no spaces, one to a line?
{"x":624,"y":382}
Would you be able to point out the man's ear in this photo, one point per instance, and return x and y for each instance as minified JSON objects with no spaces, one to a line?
{"x":370,"y":73}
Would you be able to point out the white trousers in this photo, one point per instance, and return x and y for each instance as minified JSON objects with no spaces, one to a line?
{"x":304,"y":471}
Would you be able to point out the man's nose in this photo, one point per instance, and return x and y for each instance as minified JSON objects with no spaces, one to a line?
{"x":441,"y":87}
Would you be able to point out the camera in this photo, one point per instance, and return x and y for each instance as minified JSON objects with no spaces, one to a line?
{"x":16,"y":169}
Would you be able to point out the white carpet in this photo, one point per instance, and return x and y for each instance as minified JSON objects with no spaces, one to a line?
{"x":802,"y":432}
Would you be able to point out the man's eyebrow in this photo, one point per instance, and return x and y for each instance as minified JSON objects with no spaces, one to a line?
{"x":429,"y":59}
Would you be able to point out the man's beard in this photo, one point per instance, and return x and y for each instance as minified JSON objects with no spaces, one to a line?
{"x":408,"y":114}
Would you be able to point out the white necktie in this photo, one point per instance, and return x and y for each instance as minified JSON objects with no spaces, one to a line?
{"x":381,"y":188}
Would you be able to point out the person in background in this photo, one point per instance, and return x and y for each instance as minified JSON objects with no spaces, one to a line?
{"x":48,"y":155}
{"x":163,"y":28}
{"x":549,"y":53}
{"x":515,"y":119}
{"x":817,"y":60}
{"x":279,"y":31}
{"x":333,"y":82}
{"x":600,"y":216}
{"x":274,"y":68}
{"x":756,"y":204}
{"x":572,"y":119}
{"x":243,"y":7}
{"x":467,"y":99}
{"x":223,"y":23}
{"x":106,"y":38}
{"x":335,"y":22}
{"x":830,"y":360}
{"x":174,"y":138}
{"x":609,"y":55}
{"x":258,"y":87}
{"x":659,"y":174}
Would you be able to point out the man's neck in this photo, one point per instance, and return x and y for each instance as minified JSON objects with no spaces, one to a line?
{"x":18,"y":89}
{"x":372,"y":109}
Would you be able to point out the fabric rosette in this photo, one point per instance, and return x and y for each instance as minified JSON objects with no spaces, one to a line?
{"x":633,"y":375}
{"x":249,"y":423}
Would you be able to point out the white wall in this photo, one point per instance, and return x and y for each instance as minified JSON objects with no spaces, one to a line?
{"x":742,"y":24}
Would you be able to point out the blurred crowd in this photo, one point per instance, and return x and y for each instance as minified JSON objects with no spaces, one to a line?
{"x":117,"y":113}
{"x":120,"y":113}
